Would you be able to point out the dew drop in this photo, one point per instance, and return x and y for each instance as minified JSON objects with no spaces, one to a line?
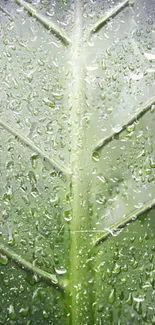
{"x":138,"y":307}
{"x":5,"y":214}
{"x":68,"y":215}
{"x":130,"y":299}
{"x":57,"y":95}
{"x":130,"y":128}
{"x":135,"y":264}
{"x":45,"y":314}
{"x":24,"y":311}
{"x":11,"y":311}
{"x":152,"y":163}
{"x":150,"y":21}
{"x":49,"y":102}
{"x":54,"y":201}
{"x":138,"y":33}
{"x":96,"y":156}
{"x":10,"y":164}
{"x":117,"y":269}
{"x":151,"y":179}
{"x":103,"y":96}
{"x":60,"y":270}
{"x":112,"y":296}
{"x":34,"y":158}
{"x":3,"y":259}
{"x":49,"y":127}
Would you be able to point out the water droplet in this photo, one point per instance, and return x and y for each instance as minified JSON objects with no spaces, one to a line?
{"x":6,"y":282}
{"x":152,"y":163}
{"x":11,"y":240}
{"x":57,"y":95}
{"x":68,"y":215}
{"x":24,"y":311}
{"x":10,"y":164}
{"x":34,"y":158}
{"x":103,"y":66}
{"x":5,"y":214}
{"x":101,"y":199}
{"x":49,"y":102}
{"x":49,"y":127}
{"x":146,"y":237}
{"x":96,"y":156}
{"x":41,"y":62}
{"x":8,"y":194}
{"x":138,"y":33}
{"x":109,"y":272}
{"x":117,"y":269}
{"x":54,"y":201}
{"x":103,"y":96}
{"x":30,"y":76}
{"x":31,"y":278}
{"x":150,"y":21}
{"x":34,"y":191}
{"x":130,"y":128}
{"x":123,"y":280}
{"x":138,"y":307}
{"x":3,"y":259}
{"x":140,"y":239}
{"x":148,"y":171}
{"x":60,"y":270}
{"x":11,"y":311}
{"x":130,"y":299}
{"x":45,"y":314}
{"x":6,"y":41}
{"x":153,"y":248}
{"x":131,"y":68}
{"x":32,"y":176}
{"x":135,"y":264}
{"x":151,"y":179}
{"x":125,"y":268}
{"x":112,"y":296}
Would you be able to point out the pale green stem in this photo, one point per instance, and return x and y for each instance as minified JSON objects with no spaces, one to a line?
{"x":79,"y":270}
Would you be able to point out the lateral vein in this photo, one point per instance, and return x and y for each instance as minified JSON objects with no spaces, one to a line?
{"x":31,"y":145}
{"x":50,"y":278}
{"x":7,"y":12}
{"x":133,"y":118}
{"x":131,"y":217}
{"x":112,"y":13}
{"x":59,"y":33}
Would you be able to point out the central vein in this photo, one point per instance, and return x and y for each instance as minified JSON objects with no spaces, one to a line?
{"x":79,"y":270}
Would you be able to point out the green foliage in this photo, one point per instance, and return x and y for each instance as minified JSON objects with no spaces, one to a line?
{"x":77,"y":162}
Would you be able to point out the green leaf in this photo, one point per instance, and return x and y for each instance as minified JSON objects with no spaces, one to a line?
{"x":77,"y":161}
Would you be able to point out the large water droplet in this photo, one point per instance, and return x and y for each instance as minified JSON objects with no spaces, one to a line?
{"x":24,"y":311}
{"x":57,"y":95}
{"x":130,"y":299}
{"x":49,"y":102}
{"x":112,"y":296}
{"x":3,"y":259}
{"x":68,"y":215}
{"x":11,"y":311}
{"x":96,"y":156}
{"x":60,"y":270}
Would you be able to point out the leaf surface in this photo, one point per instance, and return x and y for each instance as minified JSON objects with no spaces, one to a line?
{"x":77,"y":162}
